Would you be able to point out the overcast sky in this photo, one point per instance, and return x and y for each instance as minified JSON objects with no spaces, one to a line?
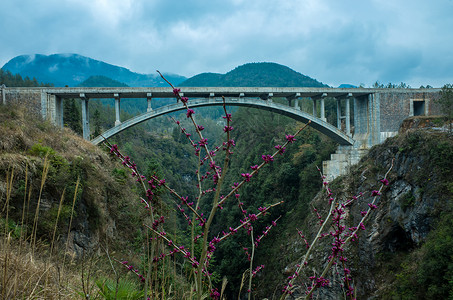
{"x":333,"y":41}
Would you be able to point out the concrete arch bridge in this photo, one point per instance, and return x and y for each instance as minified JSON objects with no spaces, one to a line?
{"x":377,"y":113}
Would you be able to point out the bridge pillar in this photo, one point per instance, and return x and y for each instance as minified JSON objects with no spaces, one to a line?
{"x":269,"y":97}
{"x":348,"y":115}
{"x":367,"y":120}
{"x":59,"y":111}
{"x":315,"y":109}
{"x":117,"y":109}
{"x":85,"y":117}
{"x":148,"y":98}
{"x":323,"y":111}
{"x":339,"y":113}
{"x":44,"y":97}
{"x":296,"y":101}
{"x":3,"y":87}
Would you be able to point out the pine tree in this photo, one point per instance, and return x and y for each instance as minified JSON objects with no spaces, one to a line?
{"x":71,"y":114}
{"x":97,"y":122}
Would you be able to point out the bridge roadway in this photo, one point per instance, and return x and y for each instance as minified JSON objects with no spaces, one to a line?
{"x":206,"y":92}
{"x":258,"y":97}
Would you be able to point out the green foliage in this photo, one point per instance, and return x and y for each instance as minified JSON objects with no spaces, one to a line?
{"x":125,"y":289}
{"x":72,"y":115}
{"x":97,"y":122}
{"x":12,"y":228}
{"x":407,"y":200}
{"x":430,"y":276}
{"x":41,"y":151}
{"x":254,"y":74}
{"x":402,"y":85}
{"x":119,"y":175}
{"x":446,"y":101}
{"x":101,"y":81}
{"x":11,"y":80}
{"x":291,"y":178}
{"x":49,"y":219}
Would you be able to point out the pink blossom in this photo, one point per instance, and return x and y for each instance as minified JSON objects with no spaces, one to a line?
{"x":290,"y":138}
{"x":189,"y":113}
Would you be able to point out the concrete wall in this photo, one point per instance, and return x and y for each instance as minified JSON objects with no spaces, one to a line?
{"x":29,"y":98}
{"x":395,"y":107}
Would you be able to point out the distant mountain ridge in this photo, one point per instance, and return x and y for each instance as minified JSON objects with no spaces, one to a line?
{"x":252,"y":75}
{"x":101,"y":81}
{"x":73,"y":69}
{"x":77,"y":70}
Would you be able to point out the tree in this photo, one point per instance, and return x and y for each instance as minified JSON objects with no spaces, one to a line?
{"x":97,"y":122}
{"x":446,"y":102}
{"x":72,"y":117}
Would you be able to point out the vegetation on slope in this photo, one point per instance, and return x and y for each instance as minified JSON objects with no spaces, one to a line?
{"x":9,"y":79}
{"x":405,"y":251}
{"x":59,"y":192}
{"x":255,"y":74}
{"x":101,"y":81}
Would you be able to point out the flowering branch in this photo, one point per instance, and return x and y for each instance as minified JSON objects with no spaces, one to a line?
{"x":267,"y":159}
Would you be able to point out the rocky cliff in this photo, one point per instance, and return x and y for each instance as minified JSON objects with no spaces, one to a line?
{"x":404,"y":252}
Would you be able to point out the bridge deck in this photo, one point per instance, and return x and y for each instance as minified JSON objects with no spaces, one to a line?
{"x":206,"y":92}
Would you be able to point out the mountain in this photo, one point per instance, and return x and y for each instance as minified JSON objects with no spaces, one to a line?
{"x":347,"y":86}
{"x":254,"y":74}
{"x":73,"y":69}
{"x":101,"y":81}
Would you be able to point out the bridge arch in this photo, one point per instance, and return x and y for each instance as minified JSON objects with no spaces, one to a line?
{"x":322,"y":126}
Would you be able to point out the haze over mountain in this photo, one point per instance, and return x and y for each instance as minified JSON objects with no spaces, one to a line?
{"x":77,"y":70}
{"x":73,"y":69}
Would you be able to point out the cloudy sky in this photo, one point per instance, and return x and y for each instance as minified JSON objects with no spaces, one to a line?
{"x":333,"y":41}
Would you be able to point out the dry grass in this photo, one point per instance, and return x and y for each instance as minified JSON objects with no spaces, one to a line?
{"x":27,"y":276}
{"x":33,"y":263}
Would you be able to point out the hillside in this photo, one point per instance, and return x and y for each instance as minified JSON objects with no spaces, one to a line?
{"x":9,"y":79}
{"x":73,"y":69}
{"x":405,"y":251}
{"x":62,"y":199}
{"x":101,"y":81}
{"x":255,"y":74}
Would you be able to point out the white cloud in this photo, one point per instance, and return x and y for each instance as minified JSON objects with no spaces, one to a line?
{"x":333,"y":41}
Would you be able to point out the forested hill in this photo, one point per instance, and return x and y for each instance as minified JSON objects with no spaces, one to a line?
{"x":254,"y":74}
{"x":72,"y":69}
{"x":9,"y":79}
{"x":101,"y":81}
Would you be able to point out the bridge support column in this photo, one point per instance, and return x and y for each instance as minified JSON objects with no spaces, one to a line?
{"x":117,"y":109}
{"x":59,"y":112}
{"x":148,"y":98}
{"x":269,"y":97}
{"x":348,"y":115}
{"x":3,"y":94}
{"x":85,"y":118}
{"x":296,"y":101}
{"x":315,"y":109}
{"x":339,"y":113}
{"x":323,"y":111}
{"x":43,"y":105}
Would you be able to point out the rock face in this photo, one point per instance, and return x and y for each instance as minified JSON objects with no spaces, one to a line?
{"x":406,"y":215}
